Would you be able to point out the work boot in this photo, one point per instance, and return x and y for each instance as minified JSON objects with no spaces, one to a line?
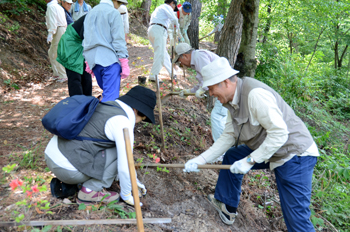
{"x":226,"y":217}
{"x":84,"y":196}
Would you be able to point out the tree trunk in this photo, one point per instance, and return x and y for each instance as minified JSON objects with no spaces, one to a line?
{"x":268,"y":23}
{"x":146,"y":6}
{"x":193,"y":30}
{"x":231,"y":33}
{"x":241,"y":31}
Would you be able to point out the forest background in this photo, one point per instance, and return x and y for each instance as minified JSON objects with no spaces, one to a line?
{"x":301,"y":49}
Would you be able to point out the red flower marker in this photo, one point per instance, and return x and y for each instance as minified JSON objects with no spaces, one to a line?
{"x":15,"y":183}
{"x":35,"y":188}
{"x":29,"y":193}
{"x":157,"y":160}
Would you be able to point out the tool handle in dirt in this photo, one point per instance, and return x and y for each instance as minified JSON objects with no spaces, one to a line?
{"x":135,"y":190}
{"x":205,"y":166}
{"x":159,"y":102}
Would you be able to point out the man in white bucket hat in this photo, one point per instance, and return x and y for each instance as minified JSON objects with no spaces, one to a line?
{"x":273,"y":137}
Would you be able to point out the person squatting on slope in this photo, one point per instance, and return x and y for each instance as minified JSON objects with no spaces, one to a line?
{"x":161,"y":18}
{"x":56,"y":25}
{"x":97,"y":164}
{"x":105,"y":47}
{"x":273,"y":137}
{"x":78,"y":9}
{"x":70,"y":55}
{"x":184,"y":16}
{"x":197,"y":59}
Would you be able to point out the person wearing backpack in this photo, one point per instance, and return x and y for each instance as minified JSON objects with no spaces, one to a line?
{"x":105,"y":48}
{"x":96,"y":164}
{"x":184,"y":15}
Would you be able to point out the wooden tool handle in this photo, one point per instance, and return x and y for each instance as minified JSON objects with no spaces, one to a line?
{"x":205,"y":166}
{"x":135,"y":190}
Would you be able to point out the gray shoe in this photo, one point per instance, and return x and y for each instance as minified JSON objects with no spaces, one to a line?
{"x":226,"y":217}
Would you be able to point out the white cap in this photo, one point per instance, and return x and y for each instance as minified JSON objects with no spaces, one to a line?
{"x":180,"y":49}
{"x":68,"y":1}
{"x":122,"y":9}
{"x":217,"y":71}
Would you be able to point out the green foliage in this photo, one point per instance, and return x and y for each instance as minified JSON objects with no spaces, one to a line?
{"x":22,"y":6}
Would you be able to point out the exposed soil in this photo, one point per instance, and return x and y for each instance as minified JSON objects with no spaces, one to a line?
{"x":27,"y":95}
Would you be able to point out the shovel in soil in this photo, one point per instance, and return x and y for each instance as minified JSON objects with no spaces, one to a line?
{"x":165,"y":98}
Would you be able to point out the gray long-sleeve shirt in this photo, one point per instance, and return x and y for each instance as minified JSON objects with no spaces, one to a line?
{"x":104,"y":38}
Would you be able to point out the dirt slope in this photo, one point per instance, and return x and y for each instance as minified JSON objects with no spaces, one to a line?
{"x":173,"y":194}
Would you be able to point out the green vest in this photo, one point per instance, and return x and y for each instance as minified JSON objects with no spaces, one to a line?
{"x":70,"y":51}
{"x":89,"y":157}
{"x":299,"y":138}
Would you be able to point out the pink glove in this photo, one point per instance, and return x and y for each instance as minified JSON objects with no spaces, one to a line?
{"x":124,"y":62}
{"x":88,"y":70}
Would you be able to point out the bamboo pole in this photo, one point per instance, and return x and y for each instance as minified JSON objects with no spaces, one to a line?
{"x":205,"y":166}
{"x":86,"y":222}
{"x":159,"y":101}
{"x":135,"y":191}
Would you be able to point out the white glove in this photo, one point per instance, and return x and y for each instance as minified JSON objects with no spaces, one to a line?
{"x":49,"y":38}
{"x":171,"y":41}
{"x":192,"y":164}
{"x":200,"y":93}
{"x":142,"y":189}
{"x":241,"y":166}
{"x":185,"y":91}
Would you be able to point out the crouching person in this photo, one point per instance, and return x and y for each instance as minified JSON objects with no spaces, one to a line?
{"x":273,"y":137}
{"x":96,"y":164}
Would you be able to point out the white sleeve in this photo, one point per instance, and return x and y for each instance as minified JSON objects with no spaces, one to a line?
{"x":264,"y":111}
{"x":126,"y":22}
{"x":225,"y":142}
{"x":51,"y":20}
{"x":172,"y":17}
{"x":114,"y":131}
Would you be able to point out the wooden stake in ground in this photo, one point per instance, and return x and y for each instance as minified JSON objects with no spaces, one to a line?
{"x":135,"y":190}
{"x":159,"y":101}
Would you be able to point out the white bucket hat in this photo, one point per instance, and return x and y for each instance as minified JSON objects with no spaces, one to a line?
{"x":180,"y":49}
{"x":217,"y":71}
{"x":68,"y":1}
{"x":122,"y":9}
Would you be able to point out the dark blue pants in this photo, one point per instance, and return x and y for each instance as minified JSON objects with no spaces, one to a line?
{"x":108,"y":78}
{"x":293,"y":179}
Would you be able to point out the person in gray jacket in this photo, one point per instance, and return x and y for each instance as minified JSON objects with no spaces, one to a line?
{"x":273,"y":137}
{"x":96,"y":164}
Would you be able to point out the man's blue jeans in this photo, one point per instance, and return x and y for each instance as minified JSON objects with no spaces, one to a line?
{"x":293,"y":179}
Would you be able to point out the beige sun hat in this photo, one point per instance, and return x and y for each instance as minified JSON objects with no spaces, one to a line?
{"x":217,"y":71}
{"x":180,"y":49}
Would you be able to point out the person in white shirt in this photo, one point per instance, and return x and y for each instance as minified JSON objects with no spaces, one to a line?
{"x":56,"y":25}
{"x":161,"y":18}
{"x":96,"y":164}
{"x":218,"y":24}
{"x":197,"y":59}
{"x":273,"y":137}
{"x":184,"y":15}
{"x":78,"y":9}
{"x":125,"y":17}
